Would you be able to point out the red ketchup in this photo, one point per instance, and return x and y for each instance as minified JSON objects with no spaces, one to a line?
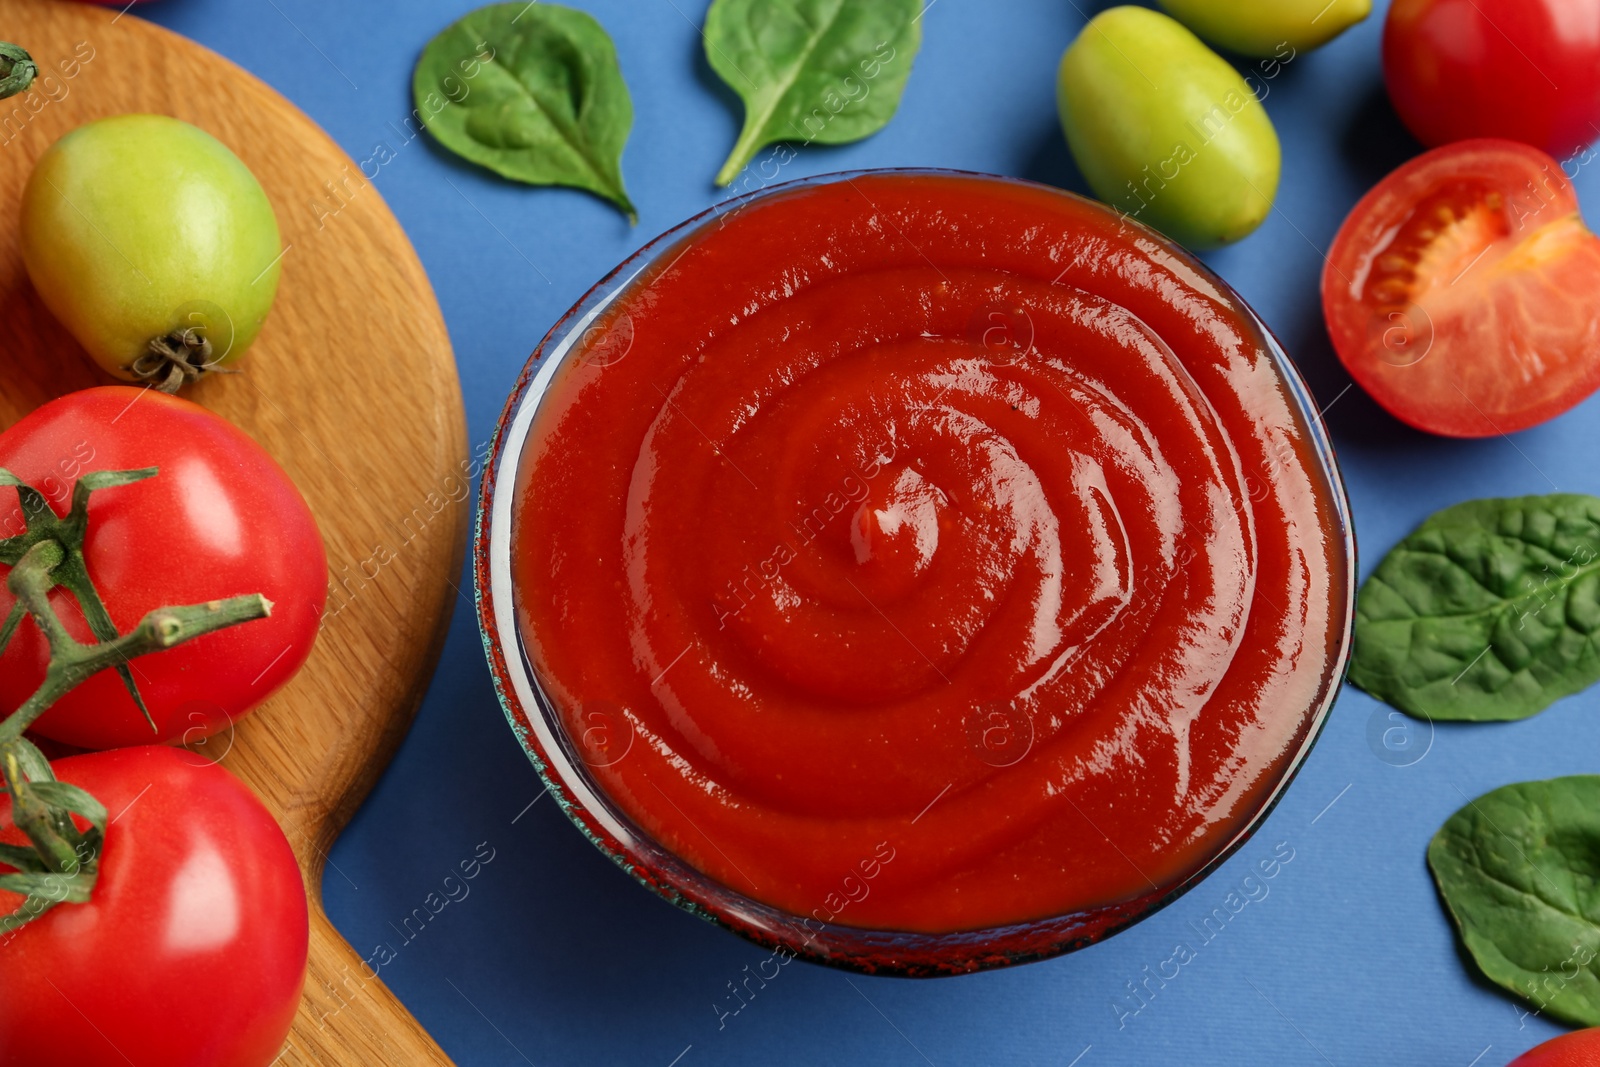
{"x":930,"y":553}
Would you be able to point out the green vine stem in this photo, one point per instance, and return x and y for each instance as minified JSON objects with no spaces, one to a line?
{"x":71,"y":662}
{"x":17,"y":70}
{"x":62,"y":864}
{"x":34,"y":817}
{"x":43,"y":524}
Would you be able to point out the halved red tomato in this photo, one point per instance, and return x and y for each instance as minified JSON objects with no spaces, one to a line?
{"x":1463,"y":291}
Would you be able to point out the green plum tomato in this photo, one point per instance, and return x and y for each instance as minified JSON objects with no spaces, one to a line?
{"x":153,"y":244}
{"x":1165,"y":130}
{"x":1268,"y":27}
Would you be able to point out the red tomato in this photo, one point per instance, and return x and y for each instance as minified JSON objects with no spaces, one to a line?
{"x":1578,"y":1049}
{"x":191,"y":951}
{"x":1463,"y":291}
{"x":219,"y":520}
{"x":1528,"y":70}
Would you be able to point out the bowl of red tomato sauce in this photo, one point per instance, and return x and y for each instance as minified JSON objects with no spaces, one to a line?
{"x":915,"y":572}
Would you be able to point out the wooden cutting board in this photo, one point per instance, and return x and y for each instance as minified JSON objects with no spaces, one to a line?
{"x":351,"y":386}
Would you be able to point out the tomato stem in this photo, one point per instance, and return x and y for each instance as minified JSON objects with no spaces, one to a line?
{"x":43,"y":524}
{"x":175,"y":358}
{"x":17,"y":70}
{"x":72,"y":662}
{"x":63,"y":863}
{"x":34,"y":817}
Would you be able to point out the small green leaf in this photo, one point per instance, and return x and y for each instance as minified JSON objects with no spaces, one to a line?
{"x":823,"y":71}
{"x":1489,"y":611}
{"x":31,"y":761}
{"x":73,"y":571}
{"x":23,"y":858}
{"x":76,"y":800}
{"x":35,"y":508}
{"x":57,"y":888}
{"x":17,"y":70}
{"x":1519,"y":870}
{"x":533,"y":92}
{"x":103,"y":480}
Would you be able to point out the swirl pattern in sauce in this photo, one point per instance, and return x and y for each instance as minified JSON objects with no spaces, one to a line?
{"x":934,"y":518}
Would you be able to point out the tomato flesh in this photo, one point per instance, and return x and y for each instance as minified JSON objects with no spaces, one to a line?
{"x":1528,"y":70}
{"x":191,"y":951}
{"x":1463,"y":292}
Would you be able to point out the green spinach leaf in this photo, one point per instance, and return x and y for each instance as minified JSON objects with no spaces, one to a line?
{"x":1519,"y":870}
{"x":1489,"y":611}
{"x":823,"y":71}
{"x":533,"y":92}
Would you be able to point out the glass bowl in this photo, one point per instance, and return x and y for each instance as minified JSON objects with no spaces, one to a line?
{"x":539,"y":727}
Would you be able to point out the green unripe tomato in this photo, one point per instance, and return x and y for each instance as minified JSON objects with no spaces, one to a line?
{"x":1165,"y":130}
{"x":142,"y":228}
{"x":1269,"y":27}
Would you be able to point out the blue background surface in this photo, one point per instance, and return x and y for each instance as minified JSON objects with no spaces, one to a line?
{"x":557,"y":957}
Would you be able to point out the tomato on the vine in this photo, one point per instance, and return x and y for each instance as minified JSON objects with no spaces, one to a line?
{"x":1463,"y":291}
{"x":191,"y":951}
{"x":1528,"y":70}
{"x":1578,"y":1049}
{"x":220,"y":519}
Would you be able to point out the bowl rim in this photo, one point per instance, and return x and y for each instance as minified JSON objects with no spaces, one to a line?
{"x":850,"y":948}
